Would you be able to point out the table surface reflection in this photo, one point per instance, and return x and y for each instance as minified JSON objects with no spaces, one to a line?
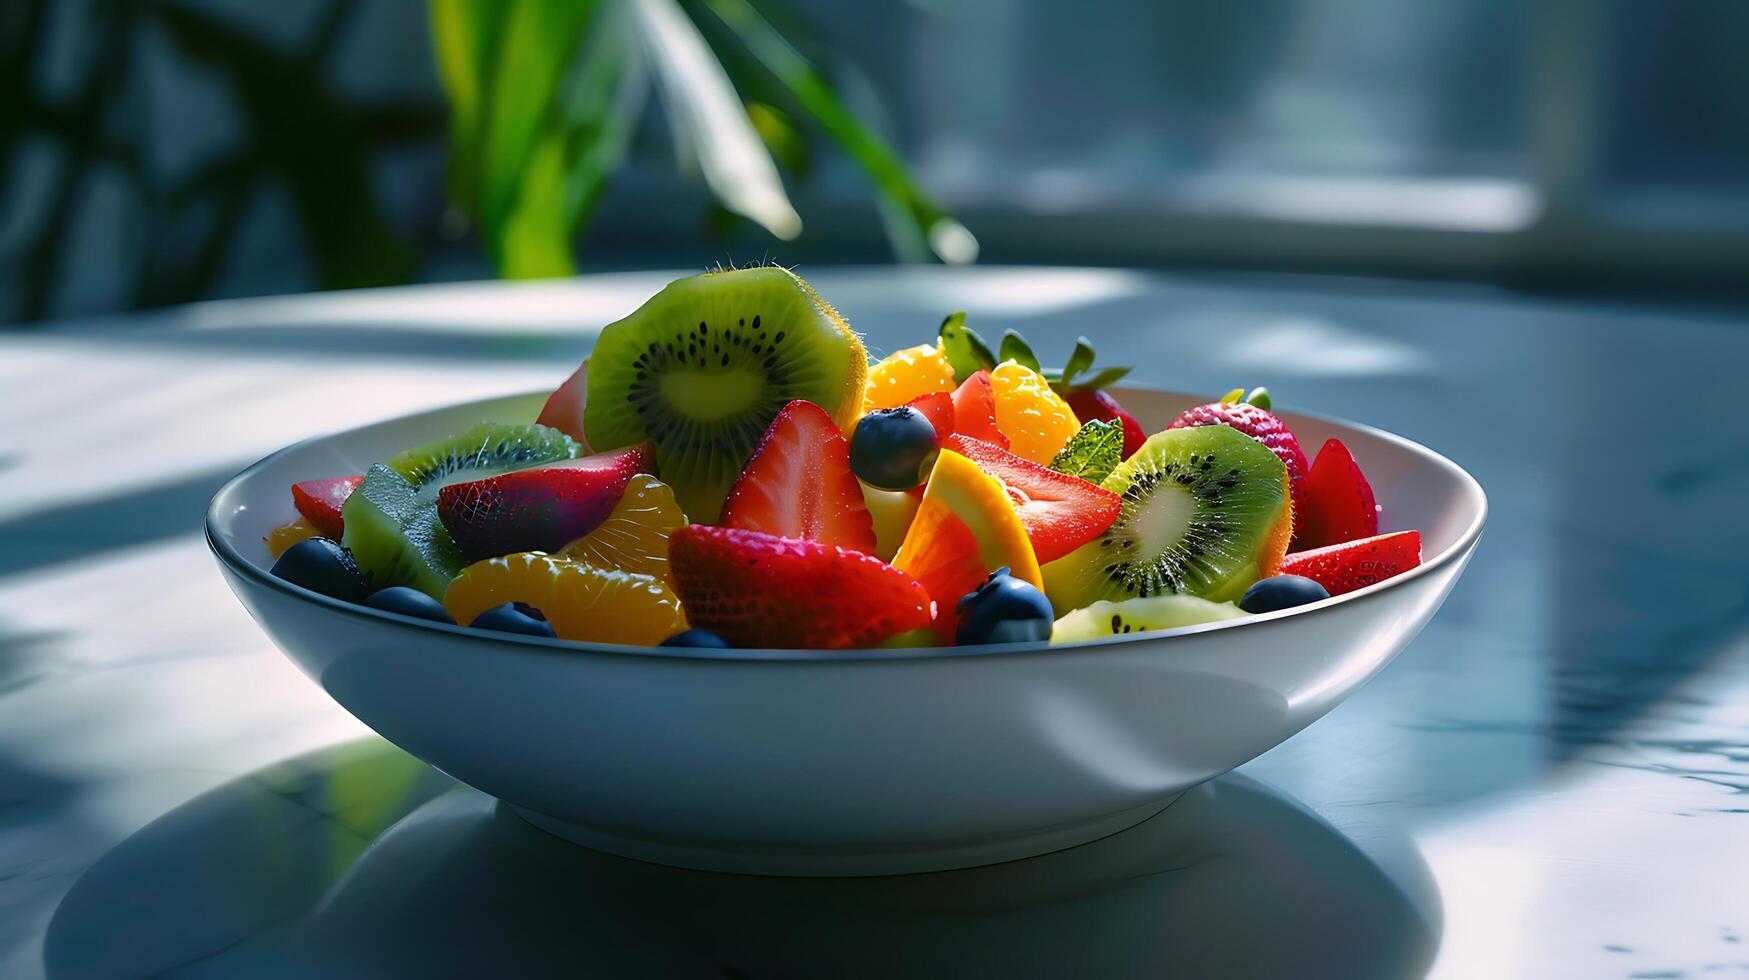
{"x":1550,"y":782}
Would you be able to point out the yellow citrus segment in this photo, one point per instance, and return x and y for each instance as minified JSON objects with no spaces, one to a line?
{"x":286,"y":535}
{"x":905,"y":375}
{"x":634,"y":537}
{"x":581,"y":602}
{"x":1036,"y":420}
{"x":966,"y":518}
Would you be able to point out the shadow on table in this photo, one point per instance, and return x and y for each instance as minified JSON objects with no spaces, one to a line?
{"x":359,"y":861}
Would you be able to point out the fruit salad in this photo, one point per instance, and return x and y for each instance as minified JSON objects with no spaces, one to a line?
{"x":729,"y":469}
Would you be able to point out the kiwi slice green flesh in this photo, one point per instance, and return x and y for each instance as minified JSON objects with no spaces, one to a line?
{"x":395,"y":535}
{"x":485,"y":450}
{"x":703,"y":367}
{"x":1200,"y":507}
{"x":1156,"y":612}
{"x":392,"y":524}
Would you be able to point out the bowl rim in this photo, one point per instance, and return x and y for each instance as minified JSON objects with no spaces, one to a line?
{"x":227,"y":553}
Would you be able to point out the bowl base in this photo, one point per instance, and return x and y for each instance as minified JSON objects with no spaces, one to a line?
{"x":842,"y":864}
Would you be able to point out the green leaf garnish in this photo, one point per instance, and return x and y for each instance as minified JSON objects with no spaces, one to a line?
{"x":1080,"y":359}
{"x":1104,"y":379}
{"x":968,"y":354}
{"x":1093,"y":451}
{"x":963,"y":348}
{"x":1015,"y":348}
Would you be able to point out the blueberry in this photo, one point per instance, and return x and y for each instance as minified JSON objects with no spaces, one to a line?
{"x":1281,"y":592}
{"x":894,"y":448}
{"x":695,"y":638}
{"x":321,"y":565}
{"x":409,"y":602}
{"x":1004,"y":609}
{"x":512,"y":618}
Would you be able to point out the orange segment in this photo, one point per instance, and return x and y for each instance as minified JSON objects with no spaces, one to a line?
{"x":906,"y":374}
{"x":634,"y":537}
{"x":965,"y":529}
{"x":581,"y":602}
{"x":1036,"y":420}
{"x":286,"y":535}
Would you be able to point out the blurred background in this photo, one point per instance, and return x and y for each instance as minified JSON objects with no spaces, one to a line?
{"x":161,"y":151}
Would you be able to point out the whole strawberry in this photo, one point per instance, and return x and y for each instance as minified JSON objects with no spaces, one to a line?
{"x":1250,"y":415}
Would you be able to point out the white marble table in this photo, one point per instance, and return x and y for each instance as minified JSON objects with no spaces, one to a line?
{"x":1553,"y":781}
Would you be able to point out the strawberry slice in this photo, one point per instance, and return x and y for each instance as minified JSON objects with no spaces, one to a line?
{"x":937,"y":407}
{"x":1096,"y":404}
{"x":974,"y":410}
{"x":763,"y":590}
{"x":1335,"y":503}
{"x":564,"y":407}
{"x":319,"y":501}
{"x":1059,"y":512}
{"x":1356,"y":564}
{"x":798,"y":483}
{"x":542,"y":508}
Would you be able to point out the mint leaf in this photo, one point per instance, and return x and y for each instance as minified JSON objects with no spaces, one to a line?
{"x":965,"y":351}
{"x":1015,"y":348}
{"x":1093,"y":451}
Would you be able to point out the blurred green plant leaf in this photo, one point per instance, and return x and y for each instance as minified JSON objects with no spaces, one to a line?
{"x":547,"y":95}
{"x":602,"y":104}
{"x":464,"y":35}
{"x":710,"y":123}
{"x":947,"y":238}
{"x":306,"y":136}
{"x":539,"y":39}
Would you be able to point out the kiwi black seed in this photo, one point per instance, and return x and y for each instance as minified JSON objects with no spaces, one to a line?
{"x":1203,"y":510}
{"x":703,"y":367}
{"x":392,"y":526}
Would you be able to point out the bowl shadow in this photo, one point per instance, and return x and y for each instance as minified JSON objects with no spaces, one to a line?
{"x":360,"y":861}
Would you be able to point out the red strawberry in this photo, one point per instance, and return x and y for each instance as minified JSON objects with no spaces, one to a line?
{"x":1335,"y":503}
{"x":1356,"y":564}
{"x":542,"y":508}
{"x":319,"y":501}
{"x":564,"y":407}
{"x":1259,"y":424}
{"x":762,"y":590}
{"x":974,"y":410}
{"x":937,"y":406}
{"x":1096,"y":404}
{"x":1060,"y":512}
{"x":798,"y":483}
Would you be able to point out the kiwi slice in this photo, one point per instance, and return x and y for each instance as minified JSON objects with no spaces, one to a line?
{"x":392,"y":526}
{"x":703,"y":367}
{"x":485,"y":450}
{"x":1205,"y":513}
{"x":1154,"y":612}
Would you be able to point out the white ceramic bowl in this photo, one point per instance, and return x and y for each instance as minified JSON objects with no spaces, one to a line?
{"x":833,"y":762}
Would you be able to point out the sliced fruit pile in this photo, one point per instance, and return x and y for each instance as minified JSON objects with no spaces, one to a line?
{"x":727,"y":469}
